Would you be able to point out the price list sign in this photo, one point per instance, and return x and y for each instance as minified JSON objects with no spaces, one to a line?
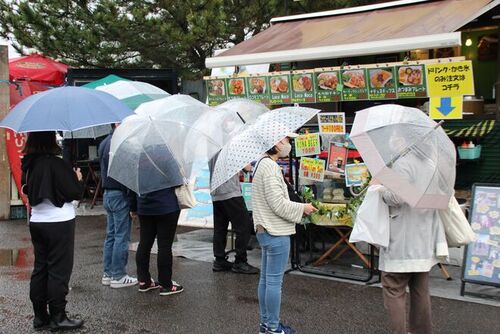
{"x":303,"y":87}
{"x":411,"y":81}
{"x":280,"y":88}
{"x":382,"y":83}
{"x":328,"y":86}
{"x":354,"y":85}
{"x":258,"y":88}
{"x":216,"y":91}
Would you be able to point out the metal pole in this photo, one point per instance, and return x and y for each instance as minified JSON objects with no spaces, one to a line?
{"x":4,"y":161}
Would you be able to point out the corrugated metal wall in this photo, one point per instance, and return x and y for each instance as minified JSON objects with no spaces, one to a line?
{"x":487,"y":168}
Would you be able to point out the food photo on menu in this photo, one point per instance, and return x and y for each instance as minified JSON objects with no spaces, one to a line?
{"x":279,"y":84}
{"x":328,"y":80}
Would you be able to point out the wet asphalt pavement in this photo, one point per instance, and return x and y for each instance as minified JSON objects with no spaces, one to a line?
{"x":211,"y":303}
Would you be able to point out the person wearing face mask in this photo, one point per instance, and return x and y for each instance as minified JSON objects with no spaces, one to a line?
{"x":275,"y":216}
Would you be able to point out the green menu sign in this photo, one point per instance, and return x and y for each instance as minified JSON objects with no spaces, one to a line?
{"x":326,"y":86}
{"x":382,"y":83}
{"x":236,"y":88}
{"x":411,"y":81}
{"x":258,"y":88}
{"x":354,"y":85}
{"x":281,"y":92}
{"x":302,"y":87}
{"x":216,"y":91}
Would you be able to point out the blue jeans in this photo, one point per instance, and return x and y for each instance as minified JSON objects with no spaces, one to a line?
{"x":275,"y":252}
{"x":115,"y":255}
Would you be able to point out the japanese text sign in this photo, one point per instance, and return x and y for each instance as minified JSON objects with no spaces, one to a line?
{"x":450,"y":79}
{"x":331,"y":123}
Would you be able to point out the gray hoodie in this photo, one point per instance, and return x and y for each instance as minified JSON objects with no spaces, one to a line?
{"x":230,"y":189}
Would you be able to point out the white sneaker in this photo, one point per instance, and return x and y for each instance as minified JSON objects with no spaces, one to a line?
{"x":124,"y":282}
{"x":106,"y":280}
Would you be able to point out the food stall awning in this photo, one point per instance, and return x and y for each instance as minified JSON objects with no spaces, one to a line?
{"x":375,"y":29}
{"x":480,"y":129}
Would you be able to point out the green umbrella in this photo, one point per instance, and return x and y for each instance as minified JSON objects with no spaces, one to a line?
{"x":133,"y":93}
{"x":104,"y":81}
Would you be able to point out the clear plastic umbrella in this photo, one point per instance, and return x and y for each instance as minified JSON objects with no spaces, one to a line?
{"x":158,"y":147}
{"x":408,"y":153}
{"x":255,"y":139}
{"x":232,"y":116}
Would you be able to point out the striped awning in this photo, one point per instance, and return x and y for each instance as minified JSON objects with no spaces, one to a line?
{"x":477,"y":130}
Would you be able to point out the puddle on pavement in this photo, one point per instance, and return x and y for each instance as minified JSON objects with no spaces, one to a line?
{"x":16,"y":257}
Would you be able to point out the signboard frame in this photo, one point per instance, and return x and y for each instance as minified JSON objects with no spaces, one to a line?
{"x":466,"y":278}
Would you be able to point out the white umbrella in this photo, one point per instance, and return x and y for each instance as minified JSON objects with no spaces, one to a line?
{"x":158,"y":147}
{"x":256,"y":139}
{"x":133,"y":93}
{"x":408,"y":153}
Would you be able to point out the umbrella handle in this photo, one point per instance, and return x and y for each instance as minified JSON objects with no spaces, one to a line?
{"x":408,"y":149}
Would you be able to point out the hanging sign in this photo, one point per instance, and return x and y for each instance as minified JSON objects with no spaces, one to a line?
{"x":382,"y":83}
{"x":411,"y":81}
{"x":216,"y":91}
{"x":331,"y":123}
{"x":258,"y":88}
{"x":337,"y":157}
{"x":236,"y":88}
{"x":354,"y":85}
{"x":312,"y":169}
{"x":279,"y":82}
{"x":303,"y":87}
{"x":326,"y":84}
{"x":307,"y":144}
{"x":446,"y":107}
{"x":450,"y":79}
{"x":356,"y":175}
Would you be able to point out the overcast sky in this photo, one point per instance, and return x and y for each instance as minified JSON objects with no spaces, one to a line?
{"x":12,"y":52}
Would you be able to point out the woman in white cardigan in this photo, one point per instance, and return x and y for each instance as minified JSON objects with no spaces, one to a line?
{"x":417,"y":242}
{"x":274,"y":217}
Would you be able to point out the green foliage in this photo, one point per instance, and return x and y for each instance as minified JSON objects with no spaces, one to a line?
{"x":141,"y":33}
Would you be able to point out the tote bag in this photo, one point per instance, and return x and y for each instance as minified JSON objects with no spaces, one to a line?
{"x":372,"y":220}
{"x":185,"y":196}
{"x":457,"y":228}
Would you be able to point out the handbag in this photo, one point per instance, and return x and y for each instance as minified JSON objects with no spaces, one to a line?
{"x":456,"y":226}
{"x":185,"y":196}
{"x":372,"y":220}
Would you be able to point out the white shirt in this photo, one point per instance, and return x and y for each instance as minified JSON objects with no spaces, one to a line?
{"x":46,"y":212}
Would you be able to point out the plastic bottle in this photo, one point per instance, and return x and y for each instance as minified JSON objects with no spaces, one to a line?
{"x":471,"y":145}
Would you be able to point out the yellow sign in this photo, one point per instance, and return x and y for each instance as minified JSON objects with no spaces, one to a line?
{"x":450,"y":79}
{"x":307,"y":144}
{"x":312,"y":169}
{"x":446,"y":107}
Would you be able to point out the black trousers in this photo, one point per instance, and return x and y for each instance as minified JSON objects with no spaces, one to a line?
{"x":235,"y":211}
{"x":161,"y":227}
{"x":54,"y":245}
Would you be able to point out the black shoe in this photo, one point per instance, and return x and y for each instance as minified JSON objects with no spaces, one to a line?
{"x":60,"y":322}
{"x":40,"y":324}
{"x":244,"y":268}
{"x":222,"y":265}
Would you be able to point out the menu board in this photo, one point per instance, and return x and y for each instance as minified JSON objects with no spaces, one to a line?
{"x":411,"y":81}
{"x":354,"y":85}
{"x":236,"y":88}
{"x":327,"y":86}
{"x":216,"y":91}
{"x":303,"y":87}
{"x":337,"y":157}
{"x":382,"y":84}
{"x":280,"y":88}
{"x":482,"y":257}
{"x":331,"y":123}
{"x":258,"y":88}
{"x":312,"y":169}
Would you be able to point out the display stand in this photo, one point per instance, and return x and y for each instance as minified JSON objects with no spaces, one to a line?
{"x":482,"y":257}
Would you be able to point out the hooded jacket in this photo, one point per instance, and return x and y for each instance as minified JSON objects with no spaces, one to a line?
{"x":49,"y":177}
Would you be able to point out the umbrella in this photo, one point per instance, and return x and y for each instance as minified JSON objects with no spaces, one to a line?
{"x":231,"y":116}
{"x":158,"y":147}
{"x":133,"y":93}
{"x":100,"y":130}
{"x":255,"y":139}
{"x":65,"y":109}
{"x":408,"y":153}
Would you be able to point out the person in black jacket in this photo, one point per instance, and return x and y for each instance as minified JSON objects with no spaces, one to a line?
{"x":51,"y":185}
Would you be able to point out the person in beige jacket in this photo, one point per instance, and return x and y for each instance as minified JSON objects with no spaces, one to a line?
{"x":274,"y":217}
